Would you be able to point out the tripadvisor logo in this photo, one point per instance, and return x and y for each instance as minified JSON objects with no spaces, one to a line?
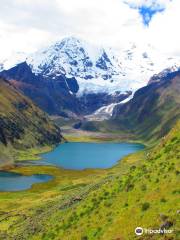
{"x":139,"y":231}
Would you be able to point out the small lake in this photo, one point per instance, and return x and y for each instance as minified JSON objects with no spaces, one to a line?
{"x":10,"y":181}
{"x":77,"y":156}
{"x":80,"y":156}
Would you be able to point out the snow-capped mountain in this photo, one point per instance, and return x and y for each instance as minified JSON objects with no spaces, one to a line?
{"x":93,"y":67}
{"x":84,"y":75}
{"x":97,"y":69}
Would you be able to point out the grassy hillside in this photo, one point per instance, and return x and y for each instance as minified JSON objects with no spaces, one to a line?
{"x":153,"y":110}
{"x":141,"y":190}
{"x":22,"y":124}
{"x":148,"y":116}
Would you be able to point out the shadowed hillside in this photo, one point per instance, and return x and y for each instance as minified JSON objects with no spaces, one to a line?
{"x":22,"y":124}
{"x":154,"y":108}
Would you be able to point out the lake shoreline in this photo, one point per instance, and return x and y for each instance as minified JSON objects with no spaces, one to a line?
{"x":15,"y":182}
{"x":88,"y":155}
{"x":34,"y":154}
{"x":36,"y":163}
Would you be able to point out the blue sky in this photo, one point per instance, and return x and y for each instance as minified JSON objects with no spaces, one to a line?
{"x":148,"y":12}
{"x":147,"y":8}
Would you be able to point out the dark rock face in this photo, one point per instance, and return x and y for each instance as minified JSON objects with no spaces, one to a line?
{"x":102,"y":61}
{"x":56,"y":95}
{"x":165,"y":75}
{"x":51,"y":95}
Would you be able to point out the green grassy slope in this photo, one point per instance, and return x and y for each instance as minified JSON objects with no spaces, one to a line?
{"x":22,"y":124}
{"x":153,"y":110}
{"x":142,"y":190}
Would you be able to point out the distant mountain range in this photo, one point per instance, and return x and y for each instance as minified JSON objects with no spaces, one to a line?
{"x":74,"y":77}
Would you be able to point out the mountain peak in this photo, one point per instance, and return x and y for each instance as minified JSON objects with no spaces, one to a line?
{"x":97,"y":69}
{"x":68,"y":42}
{"x":71,"y":39}
{"x":73,"y":57}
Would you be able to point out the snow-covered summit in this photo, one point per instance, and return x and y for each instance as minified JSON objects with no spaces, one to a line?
{"x":75,"y":58}
{"x":98,"y":69}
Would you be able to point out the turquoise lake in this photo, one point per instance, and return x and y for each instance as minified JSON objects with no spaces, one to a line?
{"x":10,"y":182}
{"x":80,"y":156}
{"x":77,"y":156}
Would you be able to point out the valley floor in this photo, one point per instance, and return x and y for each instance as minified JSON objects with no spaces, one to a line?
{"x":141,"y":190}
{"x":78,"y":135}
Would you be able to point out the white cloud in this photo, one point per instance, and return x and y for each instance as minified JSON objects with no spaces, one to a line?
{"x":26,"y":25}
{"x":163,"y":30}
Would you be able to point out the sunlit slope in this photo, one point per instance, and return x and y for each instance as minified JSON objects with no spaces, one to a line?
{"x":142,"y":190}
{"x":146,"y":195}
